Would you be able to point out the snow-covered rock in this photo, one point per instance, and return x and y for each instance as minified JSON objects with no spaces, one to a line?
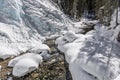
{"x":45,"y":55}
{"x":91,"y":56}
{"x":70,"y":36}
{"x":25,"y":64}
{"x":39,"y":48}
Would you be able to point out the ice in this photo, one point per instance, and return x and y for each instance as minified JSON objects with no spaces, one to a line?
{"x":11,"y":11}
{"x":46,"y":19}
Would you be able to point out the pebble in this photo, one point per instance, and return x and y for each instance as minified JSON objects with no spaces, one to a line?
{"x":52,"y":61}
{"x":35,"y":75}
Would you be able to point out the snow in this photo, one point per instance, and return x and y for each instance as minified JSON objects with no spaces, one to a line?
{"x":70,"y":36}
{"x":39,"y":48}
{"x":0,"y":67}
{"x":118,"y":78}
{"x":23,"y":27}
{"x":52,"y":37}
{"x":88,"y":55}
{"x":25,"y":64}
{"x":6,"y":53}
{"x":110,"y":32}
{"x":15,"y":40}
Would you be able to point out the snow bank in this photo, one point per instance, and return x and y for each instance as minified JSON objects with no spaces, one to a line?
{"x":15,"y":40}
{"x":6,"y":53}
{"x":25,"y":64}
{"x":88,"y":56}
